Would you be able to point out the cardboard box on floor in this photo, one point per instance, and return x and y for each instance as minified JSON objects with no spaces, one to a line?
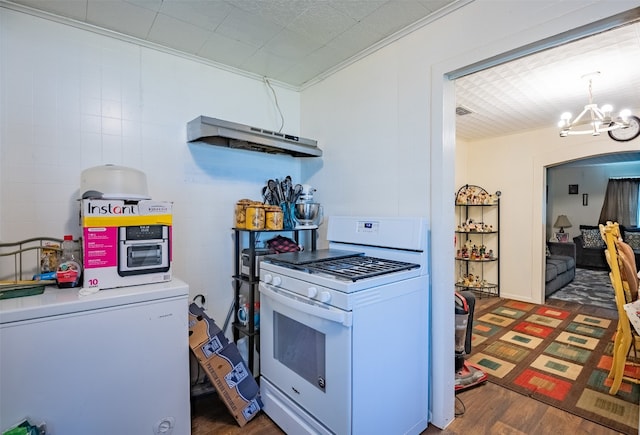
{"x":224,"y":366}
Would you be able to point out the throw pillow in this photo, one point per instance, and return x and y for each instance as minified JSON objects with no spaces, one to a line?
{"x":632,"y":238}
{"x":591,"y":238}
{"x":547,"y":253}
{"x":628,"y":270}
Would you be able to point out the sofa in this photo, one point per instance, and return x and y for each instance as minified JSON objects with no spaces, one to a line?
{"x":590,"y":246}
{"x":560,"y":267}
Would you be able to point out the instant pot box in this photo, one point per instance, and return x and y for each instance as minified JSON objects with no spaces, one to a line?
{"x":224,"y":366}
{"x":125,"y":242}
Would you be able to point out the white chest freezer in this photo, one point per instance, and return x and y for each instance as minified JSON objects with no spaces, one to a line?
{"x":113,"y":362}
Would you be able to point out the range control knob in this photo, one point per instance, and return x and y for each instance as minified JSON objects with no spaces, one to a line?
{"x":268,"y":278}
{"x":277,"y":281}
{"x":324,"y":296}
{"x":312,"y":292}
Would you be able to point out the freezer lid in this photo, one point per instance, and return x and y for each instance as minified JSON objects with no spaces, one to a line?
{"x":55,"y":301}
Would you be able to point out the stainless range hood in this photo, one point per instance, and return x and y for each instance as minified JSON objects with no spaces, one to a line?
{"x":232,"y":135}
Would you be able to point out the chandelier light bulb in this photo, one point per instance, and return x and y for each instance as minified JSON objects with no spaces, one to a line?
{"x":607,"y":108}
{"x":565,"y":116}
{"x":625,"y":114}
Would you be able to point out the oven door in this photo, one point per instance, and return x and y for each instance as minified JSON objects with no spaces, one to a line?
{"x":305,"y":351}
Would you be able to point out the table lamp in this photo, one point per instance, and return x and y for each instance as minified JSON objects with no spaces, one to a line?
{"x":562,"y":222}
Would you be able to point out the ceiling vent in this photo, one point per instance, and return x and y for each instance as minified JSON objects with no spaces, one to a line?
{"x":461,"y":111}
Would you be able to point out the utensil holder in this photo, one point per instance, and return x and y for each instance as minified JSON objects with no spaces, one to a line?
{"x":288,"y":220}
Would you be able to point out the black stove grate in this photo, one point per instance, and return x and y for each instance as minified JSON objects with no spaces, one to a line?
{"x":359,"y":267}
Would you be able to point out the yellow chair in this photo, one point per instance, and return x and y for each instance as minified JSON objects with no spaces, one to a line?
{"x":625,"y":291}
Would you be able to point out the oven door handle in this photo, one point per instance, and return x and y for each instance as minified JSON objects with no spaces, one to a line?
{"x":327,"y":313}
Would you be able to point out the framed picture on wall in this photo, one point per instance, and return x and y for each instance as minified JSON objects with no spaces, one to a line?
{"x":562,"y":237}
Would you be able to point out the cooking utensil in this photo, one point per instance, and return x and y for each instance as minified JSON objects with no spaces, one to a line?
{"x":267,"y":195}
{"x":280,"y":191}
{"x":297,"y":190}
{"x":272,"y":184}
{"x":286,"y":187}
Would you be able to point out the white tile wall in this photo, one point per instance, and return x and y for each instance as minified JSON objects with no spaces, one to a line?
{"x":72,"y":99}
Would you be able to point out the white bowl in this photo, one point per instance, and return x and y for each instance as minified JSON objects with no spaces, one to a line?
{"x":114,"y":182}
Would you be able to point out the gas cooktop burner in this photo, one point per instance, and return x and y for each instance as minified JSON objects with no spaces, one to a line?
{"x":359,"y":267}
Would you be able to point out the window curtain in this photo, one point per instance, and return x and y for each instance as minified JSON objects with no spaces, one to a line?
{"x":621,"y":202}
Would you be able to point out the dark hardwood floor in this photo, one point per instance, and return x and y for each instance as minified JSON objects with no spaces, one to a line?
{"x":487,"y":409}
{"x":210,"y":416}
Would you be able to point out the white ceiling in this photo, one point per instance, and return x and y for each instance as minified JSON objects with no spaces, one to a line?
{"x":299,"y":41}
{"x":292,"y":41}
{"x":531,"y":92}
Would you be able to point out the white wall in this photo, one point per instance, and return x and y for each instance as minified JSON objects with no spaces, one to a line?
{"x":73,"y":99}
{"x":387,"y":124}
{"x":591,"y":180}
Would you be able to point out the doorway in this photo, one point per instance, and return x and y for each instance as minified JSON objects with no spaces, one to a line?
{"x":443,"y":160}
{"x":589,"y":177}
{"x":542,"y":145}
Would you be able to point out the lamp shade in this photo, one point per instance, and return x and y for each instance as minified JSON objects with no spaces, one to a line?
{"x":562,"y":222}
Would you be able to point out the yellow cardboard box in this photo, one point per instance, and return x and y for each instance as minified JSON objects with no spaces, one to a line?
{"x":224,"y":366}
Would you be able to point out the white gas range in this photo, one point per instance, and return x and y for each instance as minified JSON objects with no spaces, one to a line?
{"x":344,"y":331}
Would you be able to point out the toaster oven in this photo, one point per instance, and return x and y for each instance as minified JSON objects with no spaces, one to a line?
{"x":245,"y":259}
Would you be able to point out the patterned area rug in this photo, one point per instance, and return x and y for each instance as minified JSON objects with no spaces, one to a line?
{"x":589,"y":287}
{"x":555,"y":356}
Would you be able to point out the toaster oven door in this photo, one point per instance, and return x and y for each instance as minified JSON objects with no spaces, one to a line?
{"x":143,"y":249}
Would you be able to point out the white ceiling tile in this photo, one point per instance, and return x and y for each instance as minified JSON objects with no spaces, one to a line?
{"x":120,"y":16}
{"x":394,"y":16}
{"x":248,"y":28}
{"x":321,"y":22}
{"x":206,"y":14}
{"x":153,"y":5}
{"x":320,"y":60}
{"x":75,"y":9}
{"x":267,"y":64}
{"x":226,"y":51}
{"x":434,"y":5}
{"x":280,"y":12}
{"x":356,"y":38}
{"x":177,"y":34}
{"x":356,"y":9}
{"x":291,"y":45}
